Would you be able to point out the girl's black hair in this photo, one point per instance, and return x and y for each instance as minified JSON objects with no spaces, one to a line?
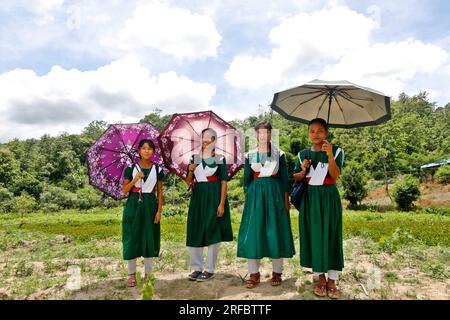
{"x":263,"y":125}
{"x":213,"y":132}
{"x":320,"y":121}
{"x":148,"y":141}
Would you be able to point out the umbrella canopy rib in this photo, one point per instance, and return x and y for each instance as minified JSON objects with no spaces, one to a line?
{"x":190,"y":125}
{"x":120,"y":136}
{"x":209,"y":121}
{"x":300,"y":94}
{"x":224,"y":151}
{"x":320,"y":108}
{"x":114,"y":151}
{"x":359,"y":105}
{"x":109,"y":164}
{"x":342,"y":110}
{"x":302,"y":103}
{"x":137,"y":137}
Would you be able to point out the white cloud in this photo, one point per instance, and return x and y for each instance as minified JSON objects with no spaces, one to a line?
{"x":66,"y":100}
{"x":174,"y":31}
{"x":388,"y":67}
{"x":301,"y":40}
{"x":43,"y":10}
{"x":336,"y":43}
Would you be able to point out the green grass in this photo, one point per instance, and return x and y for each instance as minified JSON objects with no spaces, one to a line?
{"x":419,"y":240}
{"x":430,"y":229}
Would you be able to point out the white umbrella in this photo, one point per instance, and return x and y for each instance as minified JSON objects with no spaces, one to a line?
{"x":342,"y":103}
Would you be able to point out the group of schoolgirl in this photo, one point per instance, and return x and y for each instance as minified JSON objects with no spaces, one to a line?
{"x":265,"y":229}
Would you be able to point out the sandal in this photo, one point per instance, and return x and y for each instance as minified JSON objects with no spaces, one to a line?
{"x":205,"y":276}
{"x":276,"y":279}
{"x":320,"y":288}
{"x":131,"y":280}
{"x":253,"y":281}
{"x":333,"y":292}
{"x":194,"y":275}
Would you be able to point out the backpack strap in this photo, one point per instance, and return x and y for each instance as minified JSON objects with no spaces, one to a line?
{"x":307,"y":155}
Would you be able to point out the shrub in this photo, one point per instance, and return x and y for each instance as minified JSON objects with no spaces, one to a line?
{"x":26,"y":182}
{"x":87,"y":198}
{"x":56,"y":197}
{"x":406,"y":191}
{"x":354,"y":181}
{"x":171,"y":211}
{"x":6,"y":200}
{"x":443,"y":174}
{"x":24,"y":203}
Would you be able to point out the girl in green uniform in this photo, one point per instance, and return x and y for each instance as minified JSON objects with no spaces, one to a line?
{"x":209,"y":221}
{"x":142,"y":212}
{"x":320,"y":221}
{"x":265,"y":229}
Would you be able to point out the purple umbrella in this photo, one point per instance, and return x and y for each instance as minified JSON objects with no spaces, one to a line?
{"x":114,"y":151}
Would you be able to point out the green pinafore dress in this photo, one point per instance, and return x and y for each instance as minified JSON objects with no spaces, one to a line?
{"x":265,"y":229}
{"x":140,"y":235}
{"x":320,"y":221}
{"x":204,"y":227}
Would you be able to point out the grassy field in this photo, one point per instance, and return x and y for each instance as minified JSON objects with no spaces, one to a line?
{"x":390,"y":255}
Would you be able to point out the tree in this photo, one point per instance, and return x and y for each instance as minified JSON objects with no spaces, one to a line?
{"x":156,"y":119}
{"x":406,"y":191}
{"x":354,"y":181}
{"x":6,"y":200}
{"x":9,"y":168}
{"x":94,"y":130}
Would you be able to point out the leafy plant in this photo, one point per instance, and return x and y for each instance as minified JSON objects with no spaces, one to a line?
{"x":148,"y":288}
{"x":443,"y":174}
{"x":406,"y":191}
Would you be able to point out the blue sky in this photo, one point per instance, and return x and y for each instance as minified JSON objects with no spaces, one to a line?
{"x":64,"y":63}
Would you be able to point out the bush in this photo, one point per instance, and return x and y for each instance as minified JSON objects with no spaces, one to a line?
{"x":24,"y":203}
{"x":354,"y":181}
{"x":398,"y":238}
{"x":437,"y":211}
{"x":57,"y":198}
{"x":26,"y":182}
{"x":87,"y":198}
{"x":109,"y":202}
{"x":171,"y":211}
{"x":406,"y":191}
{"x":443,"y":174}
{"x":6,"y":200}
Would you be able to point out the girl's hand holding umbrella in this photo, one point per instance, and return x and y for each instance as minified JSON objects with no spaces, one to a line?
{"x":139,"y":176}
{"x":192,"y":167}
{"x":328,"y":148}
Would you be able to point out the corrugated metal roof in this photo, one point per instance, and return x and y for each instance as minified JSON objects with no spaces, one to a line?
{"x":435,"y":164}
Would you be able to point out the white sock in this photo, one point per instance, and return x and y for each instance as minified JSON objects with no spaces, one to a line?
{"x":196,"y":258}
{"x":211,"y":259}
{"x":333,"y":275}
{"x":253,"y":265}
{"x":277,"y":265}
{"x":148,"y":265}
{"x":131,"y":266}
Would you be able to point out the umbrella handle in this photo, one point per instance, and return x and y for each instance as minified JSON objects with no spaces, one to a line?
{"x":140,"y":191}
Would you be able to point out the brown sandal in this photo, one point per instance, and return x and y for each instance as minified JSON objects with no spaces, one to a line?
{"x":276,"y":279}
{"x":131,"y":280}
{"x":333,"y":292}
{"x":253,"y":281}
{"x":320,"y":288}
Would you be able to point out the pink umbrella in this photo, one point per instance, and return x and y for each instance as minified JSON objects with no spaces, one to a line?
{"x":180,"y":139}
{"x":114,"y":151}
